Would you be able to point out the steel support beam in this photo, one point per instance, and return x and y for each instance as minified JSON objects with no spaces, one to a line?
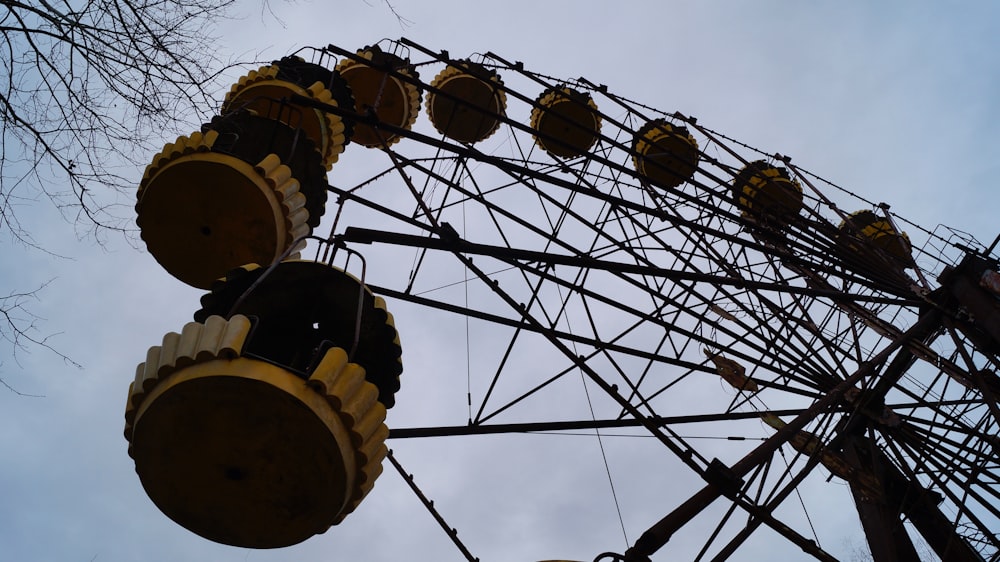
{"x":661,"y":532}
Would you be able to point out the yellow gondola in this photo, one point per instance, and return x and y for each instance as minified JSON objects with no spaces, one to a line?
{"x":377,"y":90}
{"x":302,"y":304}
{"x":664,"y":154}
{"x":264,"y":425}
{"x":879,"y":232}
{"x":262,"y":91}
{"x":203,"y":212}
{"x":763,"y":191}
{"x":251,"y":137}
{"x":470,"y":102}
{"x":239,"y":450}
{"x":566,"y":122}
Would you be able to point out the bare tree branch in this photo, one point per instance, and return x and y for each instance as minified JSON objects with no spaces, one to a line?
{"x":20,"y":330}
{"x":403,"y":22}
{"x":87,"y":88}
{"x":16,"y":391}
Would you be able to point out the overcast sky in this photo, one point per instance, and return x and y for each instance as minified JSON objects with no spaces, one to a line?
{"x":894,"y":101}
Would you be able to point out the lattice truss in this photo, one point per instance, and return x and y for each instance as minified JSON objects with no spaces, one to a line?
{"x":678,"y":308}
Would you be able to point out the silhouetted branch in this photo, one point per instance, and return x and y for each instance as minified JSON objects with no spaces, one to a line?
{"x":87,"y":89}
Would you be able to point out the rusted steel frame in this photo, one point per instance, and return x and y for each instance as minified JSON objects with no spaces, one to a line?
{"x":521,"y":325}
{"x":924,"y":400}
{"x":824,"y":377}
{"x":878,"y":256}
{"x":824,"y":248}
{"x":642,"y":316}
{"x":762,"y":329}
{"x":496,"y":378}
{"x":765,"y":468}
{"x":886,"y":329}
{"x":761,"y":473}
{"x":853,"y":309}
{"x":669,"y":441}
{"x":658,"y":535}
{"x":516,"y":170}
{"x":818,"y":335}
{"x":829,"y":315}
{"x":874,"y":517}
{"x":602,"y":347}
{"x":715,"y":533}
{"x":459,"y":166}
{"x":952,"y":431}
{"x":901,"y":364}
{"x":440,"y":243}
{"x":685,"y":455}
{"x":506,"y":355}
{"x":510,"y":346}
{"x":989,"y":250}
{"x":790,"y":366}
{"x":368,"y":236}
{"x":531,"y":427}
{"x":859,"y":354}
{"x":395,"y":130}
{"x":887,"y":539}
{"x":966,"y":460}
{"x":899,"y":406}
{"x":347,"y":195}
{"x":906,"y":241}
{"x":798,"y":174}
{"x":763,"y":515}
{"x":958,"y":502}
{"x":513,"y":217}
{"x":946,"y":465}
{"x":699,"y":240}
{"x":949,"y":423}
{"x":730,"y":548}
{"x":647,"y":397}
{"x":871,"y":402}
{"x":546,"y":235}
{"x":422,"y":205}
{"x":537,"y":388}
{"x":787,"y":161}
{"x":911,"y":498}
{"x":977,"y":378}
{"x":450,"y":531}
{"x":778,"y":498}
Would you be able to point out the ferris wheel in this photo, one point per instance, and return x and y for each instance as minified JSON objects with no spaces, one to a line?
{"x":557,"y":259}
